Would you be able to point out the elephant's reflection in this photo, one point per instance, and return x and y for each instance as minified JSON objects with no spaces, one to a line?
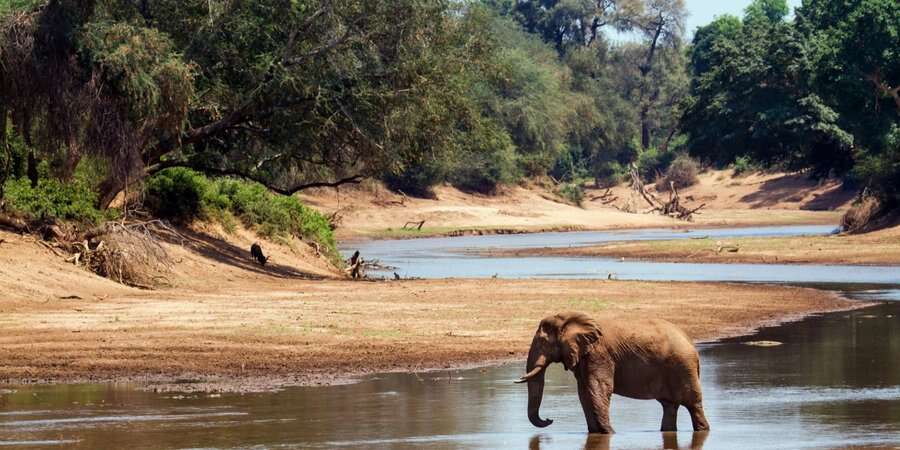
{"x":603,"y":441}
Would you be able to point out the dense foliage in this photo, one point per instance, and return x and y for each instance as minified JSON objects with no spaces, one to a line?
{"x":183,"y":195}
{"x":819,"y":92}
{"x":295,"y":94}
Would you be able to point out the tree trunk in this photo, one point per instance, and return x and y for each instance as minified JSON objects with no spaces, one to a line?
{"x":109,"y":189}
{"x":645,"y":129}
{"x":32,"y":169}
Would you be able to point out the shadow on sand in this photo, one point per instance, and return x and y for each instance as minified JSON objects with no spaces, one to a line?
{"x":224,"y":252}
{"x":795,"y":188}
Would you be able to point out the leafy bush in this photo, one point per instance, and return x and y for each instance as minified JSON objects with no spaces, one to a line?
{"x":272,"y":215}
{"x":744,"y":165}
{"x":52,"y":199}
{"x":651,"y":162}
{"x":609,"y":174}
{"x":183,"y":194}
{"x":572,"y":192}
{"x":177,"y":194}
{"x":880,"y":171}
{"x":682,"y":172}
{"x":488,"y":164}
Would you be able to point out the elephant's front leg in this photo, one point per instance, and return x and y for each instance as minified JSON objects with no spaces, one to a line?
{"x":595,"y":388}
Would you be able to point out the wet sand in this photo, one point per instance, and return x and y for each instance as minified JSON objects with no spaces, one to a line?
{"x":876,"y":248}
{"x":279,"y":332}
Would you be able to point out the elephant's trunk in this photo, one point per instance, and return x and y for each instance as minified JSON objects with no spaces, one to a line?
{"x":537,"y":362}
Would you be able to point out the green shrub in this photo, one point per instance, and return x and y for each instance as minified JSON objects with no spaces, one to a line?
{"x":651,"y":162}
{"x":53,"y":200}
{"x":682,"y":172}
{"x":483,"y":172}
{"x":609,"y":174}
{"x":177,"y":194}
{"x":572,"y":192}
{"x":743,"y":165}
{"x":183,"y":194}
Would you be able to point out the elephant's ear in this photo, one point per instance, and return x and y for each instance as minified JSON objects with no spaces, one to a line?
{"x":576,"y":336}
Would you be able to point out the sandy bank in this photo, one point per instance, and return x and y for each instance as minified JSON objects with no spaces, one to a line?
{"x":876,"y":248}
{"x":760,"y":199}
{"x":279,"y":332}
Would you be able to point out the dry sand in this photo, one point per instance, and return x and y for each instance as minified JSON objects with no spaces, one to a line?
{"x":226,"y":327}
{"x":758,"y":199}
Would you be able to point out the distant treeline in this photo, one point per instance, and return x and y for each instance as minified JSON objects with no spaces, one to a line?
{"x":296,"y":94}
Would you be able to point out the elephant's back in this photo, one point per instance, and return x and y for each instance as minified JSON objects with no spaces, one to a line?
{"x":654,"y":337}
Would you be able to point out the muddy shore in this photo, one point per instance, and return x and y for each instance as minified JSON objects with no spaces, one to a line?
{"x":293,"y":332}
{"x":875,"y":248}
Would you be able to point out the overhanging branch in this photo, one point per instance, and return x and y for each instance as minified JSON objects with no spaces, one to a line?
{"x":353,"y":179}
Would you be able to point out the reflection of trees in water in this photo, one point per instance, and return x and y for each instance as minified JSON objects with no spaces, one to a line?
{"x":835,"y":357}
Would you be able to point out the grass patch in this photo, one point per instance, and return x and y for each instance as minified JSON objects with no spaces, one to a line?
{"x":587,"y":303}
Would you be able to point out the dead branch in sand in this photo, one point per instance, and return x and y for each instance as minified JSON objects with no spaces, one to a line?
{"x":13,"y":223}
{"x":417,"y":225}
{"x":129,"y":253}
{"x":335,"y":218}
{"x":401,"y":202}
{"x":672,"y":207}
{"x":605,"y":198}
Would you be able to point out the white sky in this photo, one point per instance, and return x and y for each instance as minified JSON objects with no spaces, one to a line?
{"x":703,"y":12}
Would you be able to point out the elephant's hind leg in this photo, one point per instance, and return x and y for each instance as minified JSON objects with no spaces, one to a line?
{"x":670,"y":415}
{"x":698,"y":418}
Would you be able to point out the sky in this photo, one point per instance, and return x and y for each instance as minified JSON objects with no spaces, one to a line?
{"x":703,"y":12}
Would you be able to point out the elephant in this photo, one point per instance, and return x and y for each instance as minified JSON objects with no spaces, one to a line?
{"x":648,"y":359}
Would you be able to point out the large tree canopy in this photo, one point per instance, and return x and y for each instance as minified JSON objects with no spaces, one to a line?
{"x":290,"y":93}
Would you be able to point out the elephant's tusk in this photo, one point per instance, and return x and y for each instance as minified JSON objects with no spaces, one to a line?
{"x":534,"y":372}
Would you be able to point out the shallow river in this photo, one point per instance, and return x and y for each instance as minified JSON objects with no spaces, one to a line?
{"x":835,"y":382}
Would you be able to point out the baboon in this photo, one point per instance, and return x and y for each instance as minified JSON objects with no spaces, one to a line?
{"x":257,"y":254}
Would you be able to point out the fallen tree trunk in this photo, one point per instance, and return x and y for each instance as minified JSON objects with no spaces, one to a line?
{"x":13,"y":223}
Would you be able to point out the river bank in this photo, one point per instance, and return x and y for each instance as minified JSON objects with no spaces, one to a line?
{"x":875,"y":248}
{"x":371,"y":211}
{"x":292,"y":332}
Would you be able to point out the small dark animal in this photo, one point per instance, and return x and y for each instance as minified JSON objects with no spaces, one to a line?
{"x":257,"y":254}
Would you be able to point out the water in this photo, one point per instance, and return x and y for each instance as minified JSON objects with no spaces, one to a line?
{"x":456,"y":257}
{"x":833,"y":383}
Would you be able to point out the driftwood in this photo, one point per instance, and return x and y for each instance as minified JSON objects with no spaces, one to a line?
{"x":335,"y":219}
{"x":401,"y":202}
{"x":13,"y":223}
{"x":671,"y":208}
{"x":605,"y":198}
{"x":417,"y":225}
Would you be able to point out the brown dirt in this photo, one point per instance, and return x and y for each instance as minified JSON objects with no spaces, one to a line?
{"x":876,"y":248}
{"x":230,"y":326}
{"x":772,"y":199}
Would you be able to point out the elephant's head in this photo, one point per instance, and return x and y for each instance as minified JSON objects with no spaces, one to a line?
{"x":561,"y":338}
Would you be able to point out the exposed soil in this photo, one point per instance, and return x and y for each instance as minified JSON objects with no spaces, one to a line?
{"x":222,"y":322}
{"x":759,"y":199}
{"x":876,"y":248}
{"x":229,"y":326}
